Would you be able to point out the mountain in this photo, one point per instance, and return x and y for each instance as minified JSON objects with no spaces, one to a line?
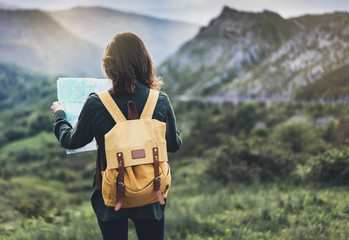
{"x":99,"y":25}
{"x":258,"y":55}
{"x":33,"y":40}
{"x":8,"y":6}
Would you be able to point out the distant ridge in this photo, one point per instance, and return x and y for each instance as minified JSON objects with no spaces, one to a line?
{"x":98,"y":25}
{"x":33,"y":40}
{"x":71,"y":43}
{"x":8,"y":6}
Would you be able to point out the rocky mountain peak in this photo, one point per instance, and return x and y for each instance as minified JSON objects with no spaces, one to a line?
{"x":228,"y":12}
{"x":233,"y":24}
{"x":259,"y":54}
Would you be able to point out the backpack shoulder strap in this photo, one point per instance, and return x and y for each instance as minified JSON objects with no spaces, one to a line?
{"x":111,"y":106}
{"x":149,"y":107}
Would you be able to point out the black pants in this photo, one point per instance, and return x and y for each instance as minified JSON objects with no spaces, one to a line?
{"x":147,"y":229}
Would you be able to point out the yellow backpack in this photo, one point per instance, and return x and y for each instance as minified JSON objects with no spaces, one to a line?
{"x":137,"y":171}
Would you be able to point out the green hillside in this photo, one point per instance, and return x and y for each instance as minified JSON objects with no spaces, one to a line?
{"x":235,"y":178}
{"x":246,"y":171}
{"x":25,"y":100}
{"x":19,"y":86}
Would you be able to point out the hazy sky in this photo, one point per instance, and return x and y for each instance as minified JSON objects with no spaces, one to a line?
{"x":197,"y":11}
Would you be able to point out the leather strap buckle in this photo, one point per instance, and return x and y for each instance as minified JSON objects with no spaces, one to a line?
{"x":120,"y":182}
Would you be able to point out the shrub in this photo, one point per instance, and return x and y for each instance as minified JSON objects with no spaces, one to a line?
{"x":331,"y":167}
{"x":30,"y":203}
{"x":15,"y":133}
{"x":298,"y":135}
{"x":3,"y":139}
{"x":38,"y":122}
{"x":259,"y":131}
{"x":62,"y":175}
{"x":330,"y":133}
{"x":245,"y":118}
{"x":343,"y":130}
{"x":250,"y":161}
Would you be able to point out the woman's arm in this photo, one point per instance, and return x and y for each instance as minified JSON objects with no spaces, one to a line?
{"x":173,"y":137}
{"x":69,"y":137}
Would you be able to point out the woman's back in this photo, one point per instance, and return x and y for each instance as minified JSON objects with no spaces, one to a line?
{"x":128,"y":64}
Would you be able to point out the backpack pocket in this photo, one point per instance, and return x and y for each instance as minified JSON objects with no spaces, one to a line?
{"x":165,"y":178}
{"x":141,"y":196}
{"x":109,"y":187}
{"x":147,"y":195}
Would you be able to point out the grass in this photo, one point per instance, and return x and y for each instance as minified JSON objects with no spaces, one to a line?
{"x":30,"y":181}
{"x":210,"y":210}
{"x":268,"y":211}
{"x":198,"y":208}
{"x":261,"y":212}
{"x":36,"y":142}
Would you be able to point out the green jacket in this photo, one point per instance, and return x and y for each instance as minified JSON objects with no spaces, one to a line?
{"x":95,"y":121}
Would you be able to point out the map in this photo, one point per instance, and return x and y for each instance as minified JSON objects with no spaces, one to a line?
{"x":74,"y":92}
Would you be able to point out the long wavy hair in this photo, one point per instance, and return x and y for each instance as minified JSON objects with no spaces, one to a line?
{"x":126,"y":60}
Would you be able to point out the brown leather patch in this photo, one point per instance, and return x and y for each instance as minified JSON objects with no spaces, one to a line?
{"x":139,"y":153}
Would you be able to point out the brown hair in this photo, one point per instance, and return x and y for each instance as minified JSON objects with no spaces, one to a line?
{"x":126,"y":61}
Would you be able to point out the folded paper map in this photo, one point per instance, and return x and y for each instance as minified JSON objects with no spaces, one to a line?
{"x":74,"y":92}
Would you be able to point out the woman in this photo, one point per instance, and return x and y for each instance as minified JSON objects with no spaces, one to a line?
{"x":128,"y":64}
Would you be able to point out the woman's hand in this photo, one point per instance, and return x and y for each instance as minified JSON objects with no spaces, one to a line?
{"x":57,"y":106}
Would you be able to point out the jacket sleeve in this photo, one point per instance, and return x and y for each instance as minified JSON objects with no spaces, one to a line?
{"x":77,"y":137}
{"x":173,"y":137}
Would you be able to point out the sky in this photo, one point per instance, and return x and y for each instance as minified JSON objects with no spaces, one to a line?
{"x":194,"y":11}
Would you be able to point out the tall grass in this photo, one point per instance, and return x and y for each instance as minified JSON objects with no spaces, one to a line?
{"x":255,"y":212}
